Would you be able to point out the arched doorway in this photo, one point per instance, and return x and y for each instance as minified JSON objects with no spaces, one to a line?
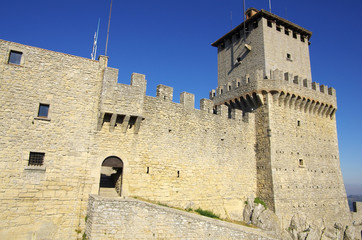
{"x":110,"y":184}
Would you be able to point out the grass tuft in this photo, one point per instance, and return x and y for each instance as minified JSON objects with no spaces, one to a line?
{"x":207,"y":213}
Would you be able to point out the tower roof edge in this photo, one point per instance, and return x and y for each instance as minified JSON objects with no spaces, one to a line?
{"x":269,"y":16}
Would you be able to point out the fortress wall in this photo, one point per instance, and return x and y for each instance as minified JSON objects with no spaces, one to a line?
{"x":45,"y":201}
{"x":305,"y":164}
{"x":122,"y":98}
{"x":115,"y":218}
{"x":277,"y":45}
{"x":234,"y":48}
{"x":293,"y":84}
{"x":183,"y":156}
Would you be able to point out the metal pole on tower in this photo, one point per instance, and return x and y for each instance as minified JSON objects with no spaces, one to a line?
{"x":109,"y":23}
{"x":94,"y":51}
{"x":269,"y":5}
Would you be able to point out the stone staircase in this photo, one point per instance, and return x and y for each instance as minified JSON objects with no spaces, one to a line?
{"x":107,"y":188}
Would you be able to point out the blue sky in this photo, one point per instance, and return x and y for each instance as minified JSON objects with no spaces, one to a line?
{"x":169,"y":41}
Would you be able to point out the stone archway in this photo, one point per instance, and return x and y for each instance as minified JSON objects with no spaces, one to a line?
{"x":110,"y":184}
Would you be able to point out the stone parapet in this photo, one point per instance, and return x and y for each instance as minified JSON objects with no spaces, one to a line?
{"x":117,"y":218}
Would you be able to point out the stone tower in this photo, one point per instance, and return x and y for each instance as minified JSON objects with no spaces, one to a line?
{"x":264,"y":68}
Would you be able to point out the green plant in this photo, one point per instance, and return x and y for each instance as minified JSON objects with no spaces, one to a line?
{"x":189,"y":209}
{"x":84,"y":236}
{"x":259,"y":201}
{"x":78,"y":230}
{"x":86,"y":218}
{"x":162,"y":204}
{"x":207,"y":213}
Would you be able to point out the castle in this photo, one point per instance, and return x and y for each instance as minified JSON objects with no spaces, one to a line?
{"x":69,"y":129}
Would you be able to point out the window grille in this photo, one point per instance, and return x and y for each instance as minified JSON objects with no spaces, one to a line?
{"x":36,"y":159}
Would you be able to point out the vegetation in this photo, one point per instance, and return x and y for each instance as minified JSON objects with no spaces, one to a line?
{"x":207,"y":213}
{"x":259,"y":201}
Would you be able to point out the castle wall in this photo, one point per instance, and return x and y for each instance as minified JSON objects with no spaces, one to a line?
{"x":228,"y":68}
{"x":45,"y":202}
{"x":305,"y":163}
{"x":182,"y":156}
{"x":115,"y":218}
{"x":276,"y":47}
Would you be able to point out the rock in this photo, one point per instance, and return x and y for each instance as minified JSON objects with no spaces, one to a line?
{"x":248,"y":210}
{"x":258,"y":209}
{"x":314,"y":234}
{"x":268,"y":220}
{"x":348,"y":233}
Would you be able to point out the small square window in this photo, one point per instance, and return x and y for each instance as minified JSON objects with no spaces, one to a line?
{"x":269,"y":23}
{"x":279,"y":28}
{"x":286,"y":31}
{"x":302,"y":39}
{"x":36,"y":159}
{"x":301,"y":162}
{"x":289,"y":57}
{"x":43,"y":110}
{"x":15,"y":57}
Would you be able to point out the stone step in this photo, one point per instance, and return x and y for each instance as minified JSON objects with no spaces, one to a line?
{"x":108,"y":192}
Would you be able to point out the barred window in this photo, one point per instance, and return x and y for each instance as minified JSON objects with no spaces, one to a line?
{"x":36,"y":159}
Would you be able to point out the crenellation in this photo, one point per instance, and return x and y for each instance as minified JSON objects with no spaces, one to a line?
{"x":206,"y":105}
{"x":164,"y":92}
{"x":187,"y":100}
{"x":323,"y":88}
{"x":332,"y":91}
{"x":223,"y":111}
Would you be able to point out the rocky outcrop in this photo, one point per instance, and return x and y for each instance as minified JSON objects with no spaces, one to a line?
{"x":258,"y":215}
{"x":300,"y":228}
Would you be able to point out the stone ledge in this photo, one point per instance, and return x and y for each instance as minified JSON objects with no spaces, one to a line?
{"x":35,"y":168}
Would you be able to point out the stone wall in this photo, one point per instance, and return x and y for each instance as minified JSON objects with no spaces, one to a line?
{"x":183,"y":156}
{"x":115,"y":218}
{"x":305,"y":164}
{"x":45,"y":201}
{"x":357,"y":219}
{"x":172,"y":152}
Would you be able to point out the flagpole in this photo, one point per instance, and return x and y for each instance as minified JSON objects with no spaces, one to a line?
{"x":269,"y":5}
{"x":109,"y":23}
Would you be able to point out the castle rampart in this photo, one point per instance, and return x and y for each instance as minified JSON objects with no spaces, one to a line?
{"x":69,"y":129}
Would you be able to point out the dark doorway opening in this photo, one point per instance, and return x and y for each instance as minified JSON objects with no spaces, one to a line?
{"x":110,"y":184}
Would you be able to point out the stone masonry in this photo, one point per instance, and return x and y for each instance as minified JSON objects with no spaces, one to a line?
{"x":266,"y":131}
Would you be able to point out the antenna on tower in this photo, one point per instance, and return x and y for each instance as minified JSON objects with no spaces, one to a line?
{"x":109,"y":23}
{"x":231,"y":19}
{"x":269,"y":5}
{"x":94,"y":51}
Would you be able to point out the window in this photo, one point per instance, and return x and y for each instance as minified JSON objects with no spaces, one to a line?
{"x":36,"y":159}
{"x":294,"y":35}
{"x":229,"y":88}
{"x":286,"y":31}
{"x":43,"y":110}
{"x":301,"y":163}
{"x":298,"y":123}
{"x":289,"y":56}
{"x":15,"y":57}
{"x":286,"y":76}
{"x":279,"y":28}
{"x":269,"y":23}
{"x":302,"y":38}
